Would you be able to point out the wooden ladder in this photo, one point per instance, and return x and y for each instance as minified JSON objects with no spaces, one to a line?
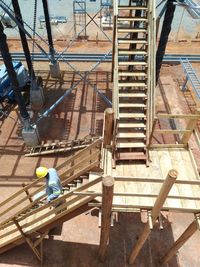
{"x":132,"y":42}
{"x":58,"y":147}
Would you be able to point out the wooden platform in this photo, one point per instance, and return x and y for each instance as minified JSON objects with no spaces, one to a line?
{"x":137,"y":186}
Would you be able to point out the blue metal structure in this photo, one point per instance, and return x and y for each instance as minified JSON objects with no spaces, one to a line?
{"x":191,"y":76}
{"x":6,"y":90}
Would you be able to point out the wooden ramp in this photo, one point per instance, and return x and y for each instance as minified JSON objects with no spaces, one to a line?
{"x":23,"y":218}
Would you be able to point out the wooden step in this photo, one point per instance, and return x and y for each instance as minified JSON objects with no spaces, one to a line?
{"x":137,"y":95}
{"x":131,"y":105}
{"x":132,"y":84}
{"x":132,"y":8}
{"x":131,"y":19}
{"x":132,"y":115}
{"x":132,"y":41}
{"x":131,"y":135}
{"x":127,"y":30}
{"x":132,"y":63}
{"x":132,"y":73}
{"x":131,"y":125}
{"x":121,"y":144}
{"x":131,"y":52}
{"x":130,"y":156}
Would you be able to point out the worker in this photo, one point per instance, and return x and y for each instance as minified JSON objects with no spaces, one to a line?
{"x":53,"y":184}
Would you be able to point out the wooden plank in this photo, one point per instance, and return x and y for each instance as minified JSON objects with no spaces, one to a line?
{"x":177,"y":116}
{"x":131,"y":125}
{"x":164,"y":146}
{"x":131,"y":105}
{"x":135,"y":95}
{"x":108,"y":126}
{"x":132,"y":115}
{"x":153,"y":180}
{"x":148,"y":207}
{"x":131,"y":19}
{"x":127,"y":30}
{"x":132,"y":84}
{"x":165,"y":131}
{"x":133,"y":73}
{"x":131,"y":52}
{"x":130,"y":145}
{"x":132,"y":7}
{"x":132,"y":41}
{"x":130,"y":135}
{"x":132,"y":63}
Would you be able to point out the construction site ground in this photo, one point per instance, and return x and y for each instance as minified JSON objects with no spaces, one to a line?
{"x":75,"y":243}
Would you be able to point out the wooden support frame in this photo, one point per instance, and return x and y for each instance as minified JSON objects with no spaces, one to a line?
{"x":108,"y":188}
{"x":28,"y":240}
{"x":27,"y":192}
{"x":167,"y":185}
{"x":191,"y":229}
{"x":191,"y":126}
{"x":108,"y":126}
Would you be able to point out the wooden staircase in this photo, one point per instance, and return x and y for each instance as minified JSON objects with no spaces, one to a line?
{"x":24,"y":217}
{"x":132,"y":80}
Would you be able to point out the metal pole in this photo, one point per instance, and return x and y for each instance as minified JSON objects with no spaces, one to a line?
{"x":24,"y":42}
{"x":13,"y":77}
{"x":166,"y":28}
{"x":48,"y":27}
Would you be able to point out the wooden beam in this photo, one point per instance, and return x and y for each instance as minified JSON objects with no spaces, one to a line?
{"x":166,"y":131}
{"x":191,"y":126}
{"x":138,"y":207}
{"x":180,"y":242}
{"x":153,"y":180}
{"x":177,"y":116}
{"x":27,"y":192}
{"x":108,"y":187}
{"x":108,"y":126}
{"x":28,"y":240}
{"x":161,"y":146}
{"x":39,"y":240}
{"x":164,"y":191}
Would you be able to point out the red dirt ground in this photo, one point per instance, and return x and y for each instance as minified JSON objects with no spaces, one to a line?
{"x":75,"y":244}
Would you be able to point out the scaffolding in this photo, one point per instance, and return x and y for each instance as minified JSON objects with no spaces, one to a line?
{"x":106,"y":13}
{"x":79,"y":14}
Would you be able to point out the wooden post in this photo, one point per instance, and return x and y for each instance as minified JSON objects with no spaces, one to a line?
{"x":27,"y":193}
{"x":191,"y":126}
{"x":180,"y":242}
{"x":108,"y":188}
{"x":164,"y":191}
{"x":108,"y":126}
{"x":28,"y":241}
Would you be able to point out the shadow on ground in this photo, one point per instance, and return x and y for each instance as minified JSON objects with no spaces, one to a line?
{"x":123,"y":237}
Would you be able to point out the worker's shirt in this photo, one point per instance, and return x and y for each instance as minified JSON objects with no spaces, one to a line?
{"x":53,"y":185}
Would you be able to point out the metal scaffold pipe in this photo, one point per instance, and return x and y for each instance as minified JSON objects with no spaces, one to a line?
{"x":48,"y":27}
{"x":24,"y":42}
{"x":13,"y":77}
{"x":166,"y":29}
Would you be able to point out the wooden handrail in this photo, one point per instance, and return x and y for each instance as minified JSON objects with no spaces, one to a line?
{"x":71,"y":201}
{"x":24,"y":189}
{"x":31,"y":205}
